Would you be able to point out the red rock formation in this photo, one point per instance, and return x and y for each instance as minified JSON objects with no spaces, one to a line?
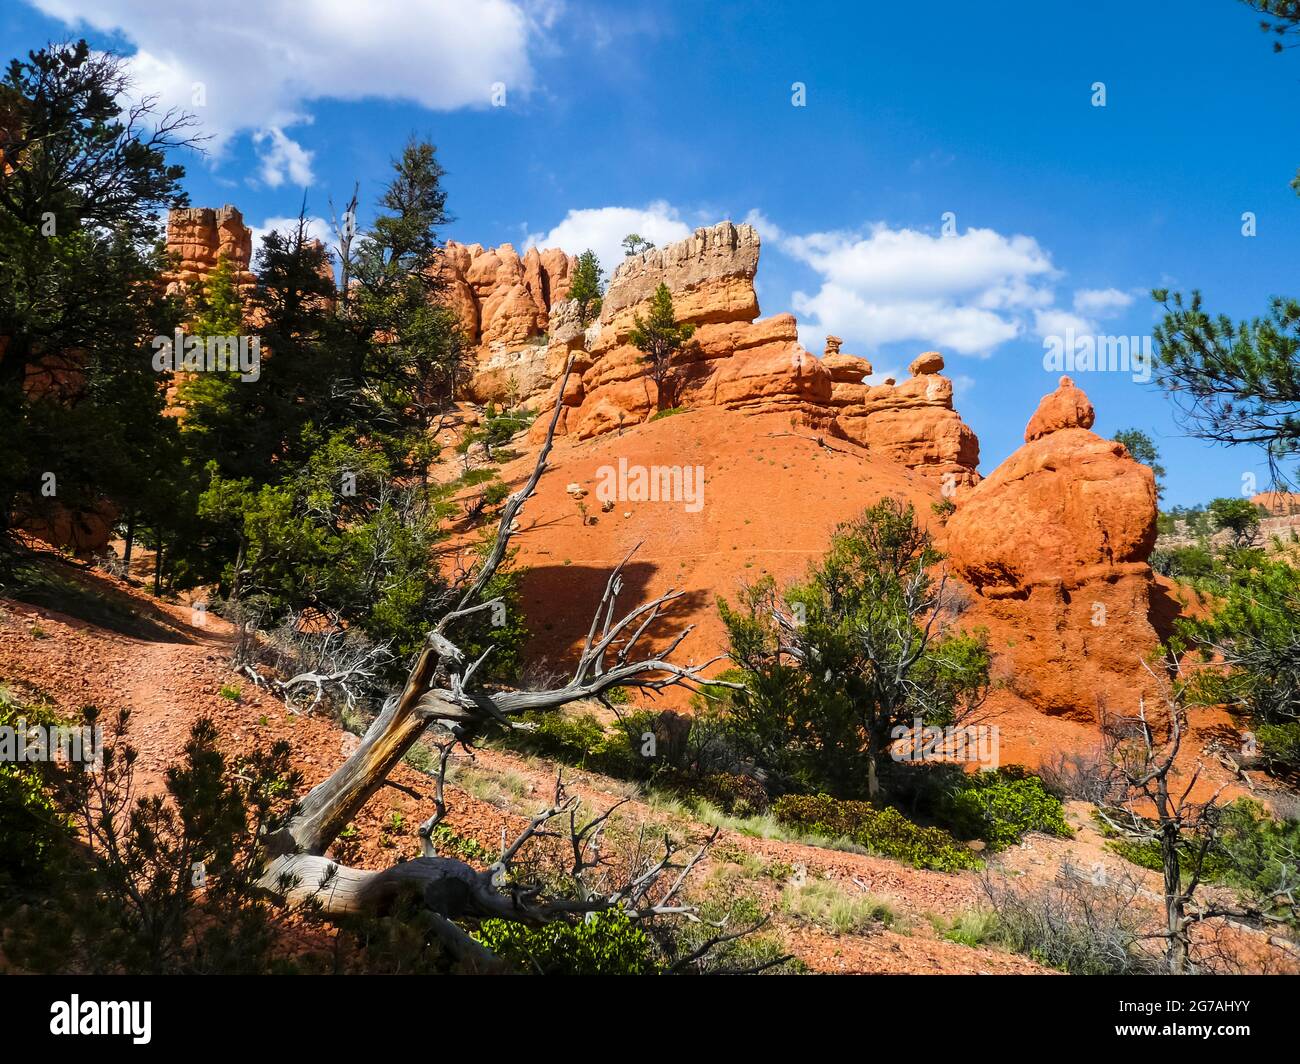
{"x":912,"y":423}
{"x":710,"y":274}
{"x":1065,"y":408}
{"x":502,"y":299}
{"x":198,"y":236}
{"x":1055,"y":544}
{"x":740,"y":363}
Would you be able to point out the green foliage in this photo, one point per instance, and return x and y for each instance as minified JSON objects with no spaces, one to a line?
{"x":586,"y":287}
{"x":660,"y":414}
{"x":1258,"y":856}
{"x":1143,"y":449}
{"x":496,"y":428}
{"x":163,"y":883}
{"x":32,"y":828}
{"x":865,"y":611}
{"x":1235,"y":382}
{"x":883,"y":831}
{"x":607,"y":943}
{"x":736,"y":910}
{"x":1256,"y":628}
{"x":734,"y":793}
{"x":1001,"y":807}
{"x":583,"y":741}
{"x":447,"y":841}
{"x":659,"y":337}
{"x":1194,"y":564}
{"x":80,"y":287}
{"x":635,"y":243}
{"x":1147,"y":853}
{"x":1238,"y":516}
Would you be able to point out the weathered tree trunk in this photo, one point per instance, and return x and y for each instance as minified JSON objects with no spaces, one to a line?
{"x":1175,"y":916}
{"x":328,"y":808}
{"x":128,"y":543}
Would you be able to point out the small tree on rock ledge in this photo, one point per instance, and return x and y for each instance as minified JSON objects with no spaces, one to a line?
{"x":660,"y":338}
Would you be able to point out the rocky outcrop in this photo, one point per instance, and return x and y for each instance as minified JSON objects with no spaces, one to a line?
{"x":913,"y":423}
{"x":1055,"y":543}
{"x":502,"y":299}
{"x":710,"y":274}
{"x":1065,"y":408}
{"x":738,"y":361}
{"x":197,"y":237}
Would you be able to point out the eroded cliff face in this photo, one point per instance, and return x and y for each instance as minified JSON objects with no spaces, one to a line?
{"x":197,"y":237}
{"x":522,"y":328}
{"x":735,"y":360}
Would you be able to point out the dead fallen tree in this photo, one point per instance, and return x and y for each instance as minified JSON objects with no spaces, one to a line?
{"x":442,"y":695}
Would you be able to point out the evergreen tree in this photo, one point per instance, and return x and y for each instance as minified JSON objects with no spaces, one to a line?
{"x":660,"y":337}
{"x":587,"y":287}
{"x":1234,"y":383}
{"x":407,"y":342}
{"x":80,"y":297}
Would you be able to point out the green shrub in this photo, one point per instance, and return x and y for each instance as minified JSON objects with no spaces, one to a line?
{"x":1186,"y":563}
{"x":32,"y":827}
{"x":667,"y":413}
{"x":1279,"y":742}
{"x":580,"y":740}
{"x":1002,"y":807}
{"x":734,"y":794}
{"x":1146,"y":853}
{"x":605,"y":944}
{"x":884,"y":831}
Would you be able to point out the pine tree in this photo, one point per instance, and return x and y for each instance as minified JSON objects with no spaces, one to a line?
{"x":660,"y":337}
{"x":587,"y":287}
{"x":80,"y":292}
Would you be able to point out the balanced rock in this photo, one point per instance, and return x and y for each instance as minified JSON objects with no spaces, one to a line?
{"x":926,"y":362}
{"x":1055,"y":543}
{"x":1066,"y":408}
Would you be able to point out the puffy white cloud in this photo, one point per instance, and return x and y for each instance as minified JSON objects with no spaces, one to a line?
{"x":282,"y":156}
{"x":1057,"y":322}
{"x":965,"y":293}
{"x":317,"y":229}
{"x":256,"y":65}
{"x":603,"y":228}
{"x":1101,"y":302}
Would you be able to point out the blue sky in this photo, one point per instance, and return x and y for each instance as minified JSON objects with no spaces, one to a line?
{"x":664,"y":116}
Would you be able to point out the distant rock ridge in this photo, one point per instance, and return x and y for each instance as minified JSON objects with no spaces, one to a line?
{"x":514,"y":311}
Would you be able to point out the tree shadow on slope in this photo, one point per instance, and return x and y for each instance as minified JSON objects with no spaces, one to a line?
{"x":560,"y":601}
{"x":50,"y":582}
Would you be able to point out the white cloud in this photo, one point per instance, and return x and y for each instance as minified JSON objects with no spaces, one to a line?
{"x":1101,"y":302}
{"x":283,"y":155}
{"x":255,"y":66}
{"x":317,"y":229}
{"x":603,"y":228}
{"x":1056,"y":322}
{"x":966,"y":293}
